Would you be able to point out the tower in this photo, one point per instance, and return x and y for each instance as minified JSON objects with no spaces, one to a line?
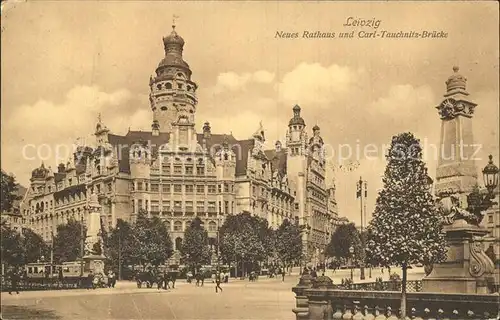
{"x":172,"y":92}
{"x":456,"y":171}
{"x":101,"y":132}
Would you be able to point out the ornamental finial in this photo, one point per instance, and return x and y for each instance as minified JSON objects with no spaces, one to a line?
{"x":173,"y":20}
{"x":456,"y":68}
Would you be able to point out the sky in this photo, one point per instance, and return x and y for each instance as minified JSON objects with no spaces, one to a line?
{"x":64,"y":62}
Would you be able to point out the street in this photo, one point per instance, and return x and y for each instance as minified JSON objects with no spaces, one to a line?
{"x":241,"y":299}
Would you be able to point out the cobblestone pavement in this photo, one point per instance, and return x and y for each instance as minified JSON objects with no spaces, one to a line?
{"x":265,"y":299}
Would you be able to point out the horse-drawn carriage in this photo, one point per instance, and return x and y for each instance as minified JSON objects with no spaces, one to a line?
{"x":161,"y":276}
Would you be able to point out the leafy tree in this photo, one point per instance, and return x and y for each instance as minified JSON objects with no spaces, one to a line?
{"x":406,"y":228}
{"x":8,"y":191}
{"x":288,"y":242}
{"x":12,"y":250}
{"x":67,"y":242}
{"x":195,"y":249}
{"x":153,"y":239}
{"x":344,"y":237}
{"x":34,"y":246}
{"x":121,"y":244}
{"x":243,"y":238}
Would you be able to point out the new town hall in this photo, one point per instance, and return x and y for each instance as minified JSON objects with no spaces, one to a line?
{"x":177,"y":173}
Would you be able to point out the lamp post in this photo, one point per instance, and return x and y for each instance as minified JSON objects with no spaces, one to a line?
{"x":490,"y":177}
{"x":119,"y":253}
{"x":362,"y":186}
{"x":351,"y":255}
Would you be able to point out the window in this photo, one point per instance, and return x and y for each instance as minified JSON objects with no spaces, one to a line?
{"x":50,"y":189}
{"x":177,"y":206}
{"x":166,"y":206}
{"x":189,"y":170}
{"x":490,"y":218}
{"x":200,"y":189}
{"x":155,"y":206}
{"x":165,"y":168}
{"x":211,"y":206}
{"x":220,"y":188}
{"x":200,"y":206}
{"x":177,"y":169}
{"x":226,"y":207}
{"x":226,"y":187}
{"x":200,"y":170}
{"x":98,"y":188}
{"x":211,"y":189}
{"x":177,"y":226}
{"x":189,"y":206}
{"x":189,"y":188}
{"x":154,"y":187}
{"x":139,"y":186}
{"x":139,"y":204}
{"x":70,"y":181}
{"x":177,"y":188}
{"x":168,"y":85}
{"x":165,"y":188}
{"x":212,"y":226}
{"x":220,"y":206}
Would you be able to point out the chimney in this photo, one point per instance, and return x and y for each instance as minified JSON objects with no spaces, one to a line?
{"x":277,"y":145}
{"x":61,"y":168}
{"x":206,"y":130}
{"x":155,"y":128}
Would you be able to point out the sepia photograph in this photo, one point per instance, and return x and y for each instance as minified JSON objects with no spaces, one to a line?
{"x":250,"y":160}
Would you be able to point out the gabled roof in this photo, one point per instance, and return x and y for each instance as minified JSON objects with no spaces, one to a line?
{"x":278,"y":160}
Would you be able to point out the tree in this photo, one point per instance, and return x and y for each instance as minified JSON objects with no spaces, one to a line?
{"x":195,"y":248}
{"x":406,"y":227}
{"x":244,"y":237}
{"x":121,"y":244}
{"x":12,"y":250}
{"x":67,"y":242}
{"x":34,"y":246}
{"x":8,"y":189}
{"x":344,"y":237}
{"x":153,"y":240}
{"x":288,"y":242}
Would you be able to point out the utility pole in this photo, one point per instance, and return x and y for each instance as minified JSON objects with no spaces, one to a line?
{"x":51,"y":251}
{"x":360,"y":185}
{"x":119,"y":254}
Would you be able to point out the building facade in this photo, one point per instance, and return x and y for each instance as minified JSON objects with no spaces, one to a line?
{"x":177,"y":173}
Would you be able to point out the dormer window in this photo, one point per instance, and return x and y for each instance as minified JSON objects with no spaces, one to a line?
{"x":159,"y":86}
{"x":163,"y":108}
{"x":168,"y":85}
{"x":179,"y":86}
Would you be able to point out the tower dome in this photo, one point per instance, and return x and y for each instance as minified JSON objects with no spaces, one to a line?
{"x":297,"y":119}
{"x":173,"y":44}
{"x":456,"y":81}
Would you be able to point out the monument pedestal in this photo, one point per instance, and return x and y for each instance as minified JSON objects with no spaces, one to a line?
{"x":467,"y":268}
{"x":95,"y":263}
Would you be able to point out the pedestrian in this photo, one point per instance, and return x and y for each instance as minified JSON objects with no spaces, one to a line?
{"x":314,"y":274}
{"x":217,"y":282}
{"x":90,"y":280}
{"x":14,"y":280}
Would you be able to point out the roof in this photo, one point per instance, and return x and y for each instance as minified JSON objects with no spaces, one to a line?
{"x":214,"y":143}
{"x":278,"y":160}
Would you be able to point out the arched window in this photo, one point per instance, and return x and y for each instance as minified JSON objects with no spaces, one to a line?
{"x":168,"y":85}
{"x":226,"y":156}
{"x":178,"y":243}
{"x":177,"y":226}
{"x":158,"y":86}
{"x":167,"y":225}
{"x":212,"y":226}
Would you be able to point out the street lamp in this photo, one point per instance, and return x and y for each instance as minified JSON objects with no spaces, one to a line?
{"x":490,"y":176}
{"x":351,"y":254}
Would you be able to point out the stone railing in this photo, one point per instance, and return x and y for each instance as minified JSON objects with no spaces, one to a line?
{"x":318,"y":300}
{"x":411,"y":286}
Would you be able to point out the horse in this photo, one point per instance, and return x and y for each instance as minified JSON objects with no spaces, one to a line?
{"x":164,"y":279}
{"x":148,"y":277}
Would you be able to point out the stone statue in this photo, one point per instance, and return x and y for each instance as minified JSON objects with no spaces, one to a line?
{"x":457,"y":213}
